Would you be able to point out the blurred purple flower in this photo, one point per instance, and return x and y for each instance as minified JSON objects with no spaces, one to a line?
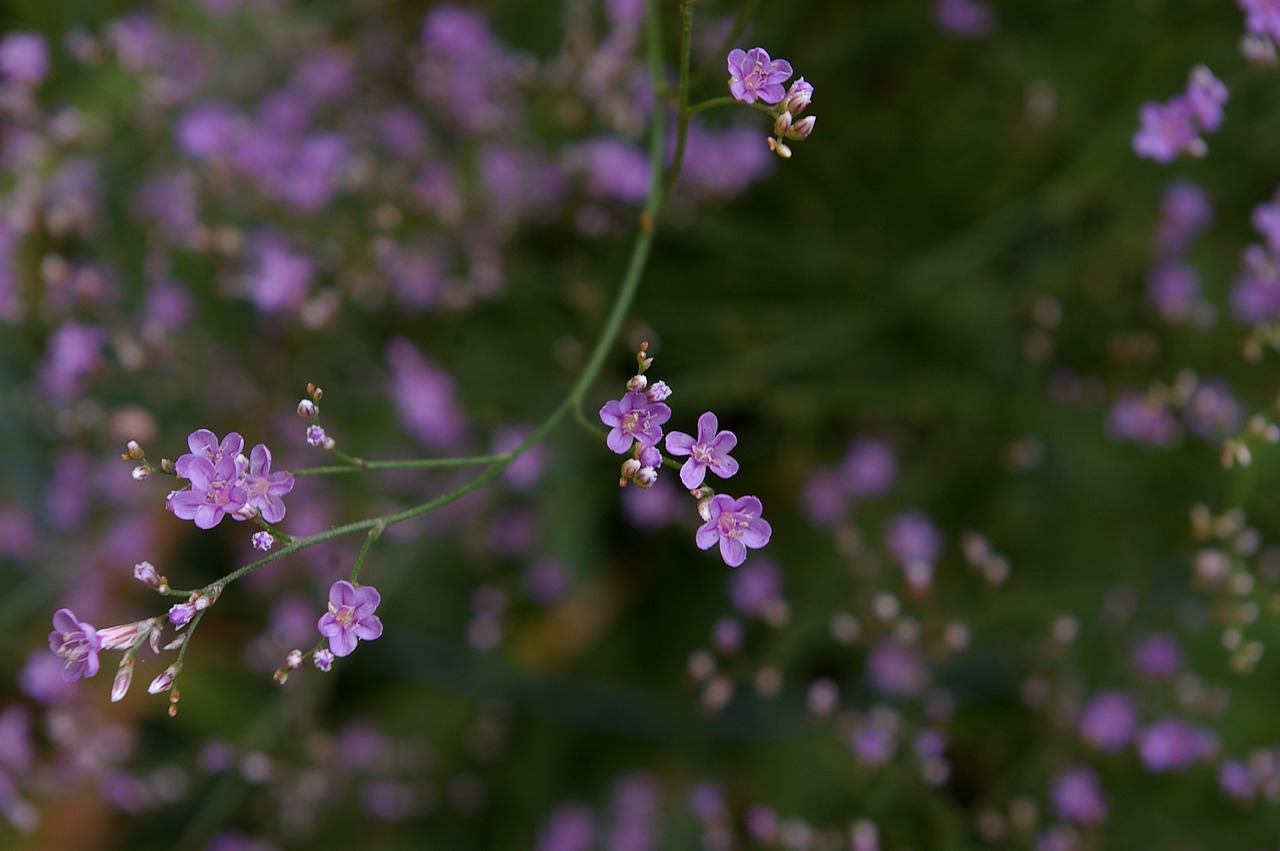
{"x":1138,"y":417}
{"x":1255,"y":298}
{"x":1171,"y":744}
{"x":1157,"y":656}
{"x":1109,"y":721}
{"x":869,"y":468}
{"x":754,"y":589}
{"x":569,"y":827}
{"x":964,"y":18}
{"x":1077,"y":796}
{"x":1213,"y":412}
{"x":424,"y":396}
{"x":24,"y":58}
{"x":613,"y":169}
{"x":1262,"y":17}
{"x":1173,"y":288}
{"x":896,"y":671}
{"x":911,"y":537}
{"x":1185,"y":210}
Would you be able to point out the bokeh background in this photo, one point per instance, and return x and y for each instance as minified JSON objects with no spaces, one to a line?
{"x":1014,"y":596}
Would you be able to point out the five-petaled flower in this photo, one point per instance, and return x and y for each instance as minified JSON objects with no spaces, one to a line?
{"x":77,"y":643}
{"x":633,"y":418}
{"x":735,"y":524}
{"x":350,"y":617}
{"x":752,"y":74}
{"x":264,"y":488}
{"x":710,"y":449}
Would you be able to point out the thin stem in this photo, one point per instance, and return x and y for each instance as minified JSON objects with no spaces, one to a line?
{"x":682,"y":129}
{"x":609,"y":333}
{"x":405,"y":464}
{"x":373,"y":535}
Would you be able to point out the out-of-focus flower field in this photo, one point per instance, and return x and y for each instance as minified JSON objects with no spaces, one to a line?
{"x":984,"y":551}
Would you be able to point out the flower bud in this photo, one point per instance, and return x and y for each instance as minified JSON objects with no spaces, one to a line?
{"x":146,"y":573}
{"x":135,"y":451}
{"x":323,"y":659}
{"x":629,"y":469}
{"x":798,"y":96}
{"x":124,"y":678}
{"x":646,"y":477}
{"x":779,"y":148}
{"x":293,"y":660}
{"x":802,"y":128}
{"x":658,"y":391}
{"x":263,"y":541}
{"x":164,"y":682}
{"x":637,"y":383}
{"x":182,"y":613}
{"x":782,"y":124}
{"x":316,"y":435}
{"x":650,"y":456}
{"x":140,"y":473}
{"x":307,"y":409}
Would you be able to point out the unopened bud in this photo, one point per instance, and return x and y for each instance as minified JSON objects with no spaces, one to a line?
{"x":307,"y":409}
{"x":164,"y":682}
{"x":658,"y":391}
{"x":649,"y":456}
{"x":146,"y":573}
{"x":314,"y":392}
{"x":637,"y":384}
{"x":802,"y":128}
{"x":323,"y":659}
{"x":140,"y":473}
{"x":780,"y":148}
{"x":782,"y":124}
{"x":646,"y":477}
{"x":293,"y":660}
{"x":135,"y":451}
{"x":124,"y":678}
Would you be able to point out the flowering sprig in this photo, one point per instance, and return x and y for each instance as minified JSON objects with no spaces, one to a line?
{"x":1173,"y":127}
{"x":753,"y":76}
{"x":735,"y":524}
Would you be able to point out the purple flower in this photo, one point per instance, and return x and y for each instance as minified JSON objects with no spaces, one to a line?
{"x":633,"y":417}
{"x":869,"y":469}
{"x":735,"y":523}
{"x":1173,"y":287}
{"x":1266,"y":221}
{"x":1255,"y":299}
{"x":24,"y":58}
{"x":1167,"y":130}
{"x":896,"y":671}
{"x":1108,"y":721}
{"x":755,"y":589}
{"x":1137,"y":417}
{"x":424,"y":396}
{"x":264,"y":488}
{"x":710,"y":449}
{"x":1185,"y":210}
{"x":1213,"y":412}
{"x":964,"y":18}
{"x":1236,"y":781}
{"x":204,"y":444}
{"x":77,"y":643}
{"x":1262,"y":17}
{"x":350,"y":616}
{"x":752,"y":74}
{"x":1077,"y":796}
{"x":912,"y":538}
{"x":1205,"y":96}
{"x":1171,"y":744}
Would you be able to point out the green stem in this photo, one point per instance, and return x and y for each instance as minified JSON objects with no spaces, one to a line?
{"x":609,"y":333}
{"x":682,"y":129}
{"x":360,"y":465}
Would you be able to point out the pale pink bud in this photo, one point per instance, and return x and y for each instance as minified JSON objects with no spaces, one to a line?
{"x":293,"y":660}
{"x":181,"y":614}
{"x":802,"y":128}
{"x":630,"y":467}
{"x":140,"y":473}
{"x":307,"y":409}
{"x":782,"y":124}
{"x":779,"y":148}
{"x":658,"y":391}
{"x":124,"y":679}
{"x":164,"y":682}
{"x":798,"y":97}
{"x":637,"y":383}
{"x":146,"y":573}
{"x":646,"y":477}
{"x":135,"y":450}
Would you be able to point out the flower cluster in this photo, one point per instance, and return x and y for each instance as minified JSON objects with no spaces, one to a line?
{"x":77,"y":643}
{"x":224,"y":482}
{"x":753,"y":76}
{"x":636,"y":422}
{"x":1173,"y":127}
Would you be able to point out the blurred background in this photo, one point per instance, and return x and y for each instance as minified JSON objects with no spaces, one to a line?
{"x":1003,"y":387}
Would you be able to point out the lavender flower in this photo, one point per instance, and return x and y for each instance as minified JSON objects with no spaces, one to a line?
{"x":1185,"y":210}
{"x":1108,"y":721}
{"x":24,"y":58}
{"x":735,"y":524}
{"x":710,"y":450}
{"x":752,"y":75}
{"x":1171,"y":744}
{"x":964,"y":18}
{"x":214,"y":493}
{"x":1255,"y":299}
{"x":1077,"y":796}
{"x":264,"y":488}
{"x":633,"y":418}
{"x":1166,"y":130}
{"x":1262,"y":17}
{"x":77,"y":643}
{"x":205,"y":444}
{"x":350,"y":617}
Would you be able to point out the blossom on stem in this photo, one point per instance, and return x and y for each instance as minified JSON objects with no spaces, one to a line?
{"x":735,"y":524}
{"x":350,"y":617}
{"x":710,"y":449}
{"x":77,"y":643}
{"x":633,"y":418}
{"x":264,"y":488}
{"x":752,"y":75}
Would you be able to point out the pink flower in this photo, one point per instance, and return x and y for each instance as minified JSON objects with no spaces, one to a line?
{"x":735,"y":524}
{"x":350,"y":616}
{"x":76,"y":643}
{"x":710,"y":449}
{"x":752,"y":74}
{"x":633,"y":418}
{"x":264,"y":488}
